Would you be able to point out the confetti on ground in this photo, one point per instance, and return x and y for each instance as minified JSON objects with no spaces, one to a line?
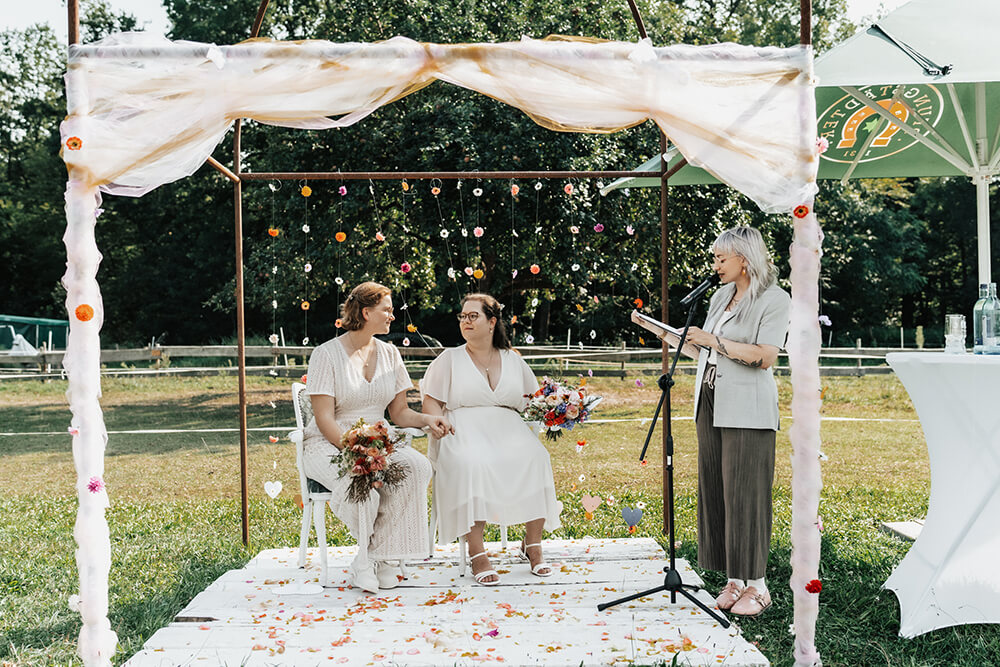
{"x":273,"y":612}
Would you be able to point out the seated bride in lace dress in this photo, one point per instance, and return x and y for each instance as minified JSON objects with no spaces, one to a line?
{"x":492,"y":467}
{"x":356,"y":376}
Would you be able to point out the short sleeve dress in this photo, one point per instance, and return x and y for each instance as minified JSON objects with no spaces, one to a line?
{"x":494,"y":468}
{"x":392,"y":523}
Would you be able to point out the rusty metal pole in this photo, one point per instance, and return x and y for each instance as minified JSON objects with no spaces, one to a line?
{"x":241,"y":336}
{"x":240,"y":307}
{"x":73,"y":13}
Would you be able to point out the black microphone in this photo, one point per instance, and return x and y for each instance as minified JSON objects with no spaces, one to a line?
{"x":696,"y":293}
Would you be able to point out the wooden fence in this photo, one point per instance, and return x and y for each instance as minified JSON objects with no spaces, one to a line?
{"x":291,"y":361}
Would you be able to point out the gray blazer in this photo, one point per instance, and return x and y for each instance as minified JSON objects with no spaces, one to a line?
{"x":746,"y":397}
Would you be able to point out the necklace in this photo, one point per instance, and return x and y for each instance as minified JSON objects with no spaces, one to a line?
{"x":485,"y":367}
{"x":362,"y":353}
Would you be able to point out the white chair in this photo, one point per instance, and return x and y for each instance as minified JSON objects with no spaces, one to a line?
{"x":432,"y":453}
{"x":314,"y":495}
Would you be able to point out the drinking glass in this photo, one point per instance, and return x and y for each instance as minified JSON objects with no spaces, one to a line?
{"x":954,"y":333}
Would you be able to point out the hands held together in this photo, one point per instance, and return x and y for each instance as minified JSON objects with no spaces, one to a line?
{"x":438,"y":426}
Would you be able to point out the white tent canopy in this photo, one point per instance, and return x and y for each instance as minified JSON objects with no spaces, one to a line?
{"x":147,"y":112}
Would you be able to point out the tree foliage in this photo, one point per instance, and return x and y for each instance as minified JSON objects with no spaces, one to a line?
{"x":895,"y":251}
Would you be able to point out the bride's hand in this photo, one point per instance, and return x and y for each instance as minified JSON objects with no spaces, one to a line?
{"x":439,"y":426}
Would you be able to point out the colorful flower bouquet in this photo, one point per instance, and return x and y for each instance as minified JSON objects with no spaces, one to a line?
{"x":559,"y":406}
{"x":365,"y":457}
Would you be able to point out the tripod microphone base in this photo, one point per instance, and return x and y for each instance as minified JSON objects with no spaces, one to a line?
{"x":673,"y":584}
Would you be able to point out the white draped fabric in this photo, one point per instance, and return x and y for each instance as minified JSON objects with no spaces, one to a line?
{"x":143,"y":111}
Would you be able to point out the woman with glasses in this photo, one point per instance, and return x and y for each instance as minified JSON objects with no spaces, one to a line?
{"x":492,"y":468}
{"x":356,"y":376}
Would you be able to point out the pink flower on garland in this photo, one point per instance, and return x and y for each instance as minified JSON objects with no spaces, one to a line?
{"x":568,"y":188}
{"x":95,"y":484}
{"x":477,"y":232}
{"x":342,"y":190}
{"x":598,"y":228}
{"x":405,"y":267}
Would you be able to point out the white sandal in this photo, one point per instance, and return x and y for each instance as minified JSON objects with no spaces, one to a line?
{"x":536,"y":569}
{"x":485,"y":573}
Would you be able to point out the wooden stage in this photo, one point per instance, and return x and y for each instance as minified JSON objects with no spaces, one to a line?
{"x":273,"y":613}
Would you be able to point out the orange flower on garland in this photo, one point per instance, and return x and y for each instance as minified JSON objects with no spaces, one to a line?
{"x":801,"y":211}
{"x":638,"y":302}
{"x":513,"y":320}
{"x":406,"y":186}
{"x":74,"y":143}
{"x":84,"y":312}
{"x":478,"y":274}
{"x":273,"y":232}
{"x":306,"y":190}
{"x":305,"y":305}
{"x":568,"y":188}
{"x":814,"y":586}
{"x":535,"y":269}
{"x":339,"y":323}
{"x":411,"y":328}
{"x":435,"y":191}
{"x":514,"y":190}
{"x":340,"y":236}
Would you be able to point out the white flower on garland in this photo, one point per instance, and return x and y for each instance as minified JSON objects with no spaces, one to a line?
{"x":274,"y":304}
{"x":444,"y":233}
{"x":305,"y":228}
{"x":338,"y":280}
{"x":308,"y":267}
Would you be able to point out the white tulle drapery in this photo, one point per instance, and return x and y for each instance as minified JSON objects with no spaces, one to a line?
{"x":144,"y":111}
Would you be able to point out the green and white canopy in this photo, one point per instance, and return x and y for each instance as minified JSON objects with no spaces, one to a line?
{"x":916,"y":94}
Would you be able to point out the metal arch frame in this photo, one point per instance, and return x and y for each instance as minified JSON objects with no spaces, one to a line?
{"x":237,"y":177}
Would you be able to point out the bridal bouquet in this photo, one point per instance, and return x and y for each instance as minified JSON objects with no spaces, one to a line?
{"x":365,"y":457}
{"x":559,"y":406}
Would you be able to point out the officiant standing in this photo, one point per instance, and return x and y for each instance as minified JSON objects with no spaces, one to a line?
{"x":736,"y":416}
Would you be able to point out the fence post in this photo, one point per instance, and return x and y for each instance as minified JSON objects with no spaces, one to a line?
{"x":857,"y":346}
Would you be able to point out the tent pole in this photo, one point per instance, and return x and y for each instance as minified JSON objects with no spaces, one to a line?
{"x":241,"y":333}
{"x":73,"y":15}
{"x":983,"y":227}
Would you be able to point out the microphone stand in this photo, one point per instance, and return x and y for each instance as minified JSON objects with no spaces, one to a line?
{"x":672,"y":579}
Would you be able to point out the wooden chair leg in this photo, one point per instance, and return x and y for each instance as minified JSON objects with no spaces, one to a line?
{"x":462,"y":556}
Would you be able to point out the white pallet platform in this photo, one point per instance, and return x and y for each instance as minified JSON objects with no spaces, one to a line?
{"x":273,"y":613}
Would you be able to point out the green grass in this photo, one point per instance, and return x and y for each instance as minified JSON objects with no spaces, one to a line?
{"x":175,"y":510}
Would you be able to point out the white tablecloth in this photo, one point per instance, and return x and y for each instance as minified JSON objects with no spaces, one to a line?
{"x":951,"y":575}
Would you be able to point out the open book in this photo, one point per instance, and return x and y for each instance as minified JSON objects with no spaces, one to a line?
{"x":666,"y":333}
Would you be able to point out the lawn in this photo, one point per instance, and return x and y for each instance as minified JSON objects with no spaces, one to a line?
{"x":175,"y":508}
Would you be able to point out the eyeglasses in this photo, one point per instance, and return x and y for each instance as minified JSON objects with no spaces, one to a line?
{"x":471,"y":317}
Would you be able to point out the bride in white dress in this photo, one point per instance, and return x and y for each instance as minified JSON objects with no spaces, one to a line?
{"x":356,"y":376}
{"x":492,"y":468}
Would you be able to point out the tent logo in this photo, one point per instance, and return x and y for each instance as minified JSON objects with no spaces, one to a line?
{"x":847,"y":123}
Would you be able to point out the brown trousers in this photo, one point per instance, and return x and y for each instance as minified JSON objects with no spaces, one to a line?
{"x":735,"y":476}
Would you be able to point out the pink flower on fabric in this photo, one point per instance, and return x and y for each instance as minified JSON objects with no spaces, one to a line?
{"x":95,"y":484}
{"x":822,"y":144}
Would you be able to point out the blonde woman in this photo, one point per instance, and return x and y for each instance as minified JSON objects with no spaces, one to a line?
{"x":736,"y":417}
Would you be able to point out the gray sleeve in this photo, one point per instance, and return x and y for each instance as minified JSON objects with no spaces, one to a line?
{"x":773,"y":327}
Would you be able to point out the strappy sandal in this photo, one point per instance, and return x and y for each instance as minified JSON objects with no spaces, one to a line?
{"x":479,"y":576}
{"x":536,"y":569}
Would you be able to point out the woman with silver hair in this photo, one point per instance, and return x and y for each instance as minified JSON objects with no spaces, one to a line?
{"x":736,"y":416}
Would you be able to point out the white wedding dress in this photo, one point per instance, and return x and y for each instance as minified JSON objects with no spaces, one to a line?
{"x":494,"y":468}
{"x":392,"y":523}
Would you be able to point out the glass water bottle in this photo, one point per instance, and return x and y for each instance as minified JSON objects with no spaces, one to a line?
{"x":986,"y":321}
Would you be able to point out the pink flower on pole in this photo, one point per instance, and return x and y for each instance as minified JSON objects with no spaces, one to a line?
{"x":95,"y":484}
